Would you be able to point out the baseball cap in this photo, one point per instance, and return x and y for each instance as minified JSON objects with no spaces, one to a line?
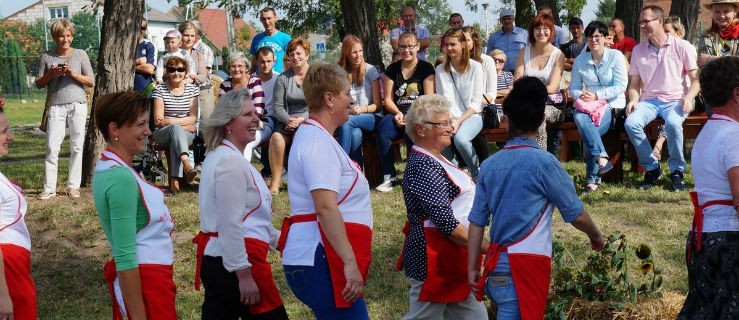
{"x":173,"y":34}
{"x":506,"y":13}
{"x":576,"y":21}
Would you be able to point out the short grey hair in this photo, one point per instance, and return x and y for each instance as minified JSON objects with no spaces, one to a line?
{"x":422,"y":110}
{"x":238,"y":55}
{"x":229,"y":106}
{"x":198,"y":27}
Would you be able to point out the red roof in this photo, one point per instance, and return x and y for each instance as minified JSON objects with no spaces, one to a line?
{"x":214,"y":26}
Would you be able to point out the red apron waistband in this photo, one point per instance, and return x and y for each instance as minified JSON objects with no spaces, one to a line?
{"x":491,"y":260}
{"x":289,"y":221}
{"x":200,"y":241}
{"x":697,"y":224}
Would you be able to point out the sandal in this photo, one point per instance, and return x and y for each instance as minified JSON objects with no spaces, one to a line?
{"x":192,"y":176}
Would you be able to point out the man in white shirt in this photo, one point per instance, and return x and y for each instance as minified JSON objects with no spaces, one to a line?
{"x":206,"y":99}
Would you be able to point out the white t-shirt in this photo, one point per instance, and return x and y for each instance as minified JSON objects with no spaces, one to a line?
{"x":318,"y":162}
{"x":13,"y":209}
{"x":714,"y":153}
{"x":268,"y":87}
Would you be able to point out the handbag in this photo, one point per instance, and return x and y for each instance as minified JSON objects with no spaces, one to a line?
{"x":490,"y":119}
{"x":50,"y":99}
{"x":558,"y":99}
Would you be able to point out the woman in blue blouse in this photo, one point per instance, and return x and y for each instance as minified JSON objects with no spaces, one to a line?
{"x":517,"y":191}
{"x":598,"y":82}
{"x":438,"y":197}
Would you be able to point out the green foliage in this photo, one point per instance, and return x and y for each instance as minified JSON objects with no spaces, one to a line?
{"x":606,"y":10}
{"x":432,"y":14}
{"x":87,"y":35}
{"x":604,"y":278}
{"x":573,"y":9}
{"x":12,"y":69}
{"x":243,"y":36}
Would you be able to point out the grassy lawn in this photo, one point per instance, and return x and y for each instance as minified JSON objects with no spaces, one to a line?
{"x":69,"y":247}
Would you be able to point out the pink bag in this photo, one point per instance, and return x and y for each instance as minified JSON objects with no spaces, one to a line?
{"x":595,"y":109}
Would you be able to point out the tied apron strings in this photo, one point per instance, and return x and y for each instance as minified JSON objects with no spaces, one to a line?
{"x":201,"y":240}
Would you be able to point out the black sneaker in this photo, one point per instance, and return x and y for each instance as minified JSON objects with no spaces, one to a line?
{"x":678,"y":184}
{"x":650,"y":178}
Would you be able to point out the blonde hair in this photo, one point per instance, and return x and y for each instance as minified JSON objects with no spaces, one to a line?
{"x":496,"y":52}
{"x":421,"y":111}
{"x":677,"y":25}
{"x":322,"y":78}
{"x":61,"y":25}
{"x":229,"y":106}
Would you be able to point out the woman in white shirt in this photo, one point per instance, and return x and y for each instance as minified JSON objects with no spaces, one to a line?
{"x":542,"y":60}
{"x":235,"y":219}
{"x":326,"y":242}
{"x":459,"y":80}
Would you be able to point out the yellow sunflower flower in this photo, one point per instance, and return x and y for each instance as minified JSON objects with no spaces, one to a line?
{"x":646,"y":267}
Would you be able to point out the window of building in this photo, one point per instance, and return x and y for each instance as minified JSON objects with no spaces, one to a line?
{"x":61,"y":12}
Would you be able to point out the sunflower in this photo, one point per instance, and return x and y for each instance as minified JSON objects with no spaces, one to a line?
{"x":643,"y":252}
{"x":646,"y":267}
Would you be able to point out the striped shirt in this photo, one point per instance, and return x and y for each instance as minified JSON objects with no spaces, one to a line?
{"x":176,"y":106}
{"x":254,"y":87}
{"x":505,"y":80}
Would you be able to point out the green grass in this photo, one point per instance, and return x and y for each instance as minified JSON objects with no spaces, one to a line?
{"x":69,"y":247}
{"x":22,"y":114}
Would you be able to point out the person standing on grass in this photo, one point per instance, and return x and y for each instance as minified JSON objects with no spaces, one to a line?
{"x":134,"y":217}
{"x":713,"y":241}
{"x":272,"y":38}
{"x":146,"y":59}
{"x":17,"y":290}
{"x":517,"y":191}
{"x":235,"y":219}
{"x":510,"y":39}
{"x":64,"y":71}
{"x":574,"y":47}
{"x":206,"y":99}
{"x":656,"y":88}
{"x":408,"y":16}
{"x":326,"y":242}
{"x":438,"y":197}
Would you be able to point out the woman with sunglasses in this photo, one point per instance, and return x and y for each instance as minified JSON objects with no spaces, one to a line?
{"x":175,"y":112}
{"x":505,"y":78}
{"x":598,"y":82}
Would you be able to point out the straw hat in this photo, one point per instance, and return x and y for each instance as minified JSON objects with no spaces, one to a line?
{"x":710,"y":4}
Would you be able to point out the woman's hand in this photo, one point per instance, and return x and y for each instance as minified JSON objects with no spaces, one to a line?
{"x":588,"y":96}
{"x":400,"y":119}
{"x":247,"y":287}
{"x":354,"y":282}
{"x":472,"y":277}
{"x":6,"y":307}
{"x":455,"y":126}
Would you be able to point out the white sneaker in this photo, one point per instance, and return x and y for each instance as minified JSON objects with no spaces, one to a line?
{"x":386,"y":186}
{"x":46,"y":195}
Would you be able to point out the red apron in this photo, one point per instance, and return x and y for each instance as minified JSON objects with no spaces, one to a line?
{"x":157,"y":288}
{"x":17,"y":261}
{"x":446,"y":261}
{"x":697,"y":225}
{"x":154,"y":252}
{"x":360,"y":238}
{"x":261,"y":271}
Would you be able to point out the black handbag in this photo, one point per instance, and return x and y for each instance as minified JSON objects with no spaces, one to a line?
{"x":490,"y":119}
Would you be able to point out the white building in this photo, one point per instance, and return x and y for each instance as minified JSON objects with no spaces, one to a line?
{"x":51,"y":9}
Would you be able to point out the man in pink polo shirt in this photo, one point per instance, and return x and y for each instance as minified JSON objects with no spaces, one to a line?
{"x":658,"y":69}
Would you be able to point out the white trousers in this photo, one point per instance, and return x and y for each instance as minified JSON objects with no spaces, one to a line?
{"x":73,"y":115}
{"x":419,"y":310}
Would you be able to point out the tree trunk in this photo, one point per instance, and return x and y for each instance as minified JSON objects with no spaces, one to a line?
{"x":554,"y":4}
{"x":688,"y":11}
{"x":628,"y":11}
{"x":115,"y":71}
{"x":524,"y":13}
{"x":359,"y":20}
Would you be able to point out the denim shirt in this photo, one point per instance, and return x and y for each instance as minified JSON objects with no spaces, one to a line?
{"x":510,"y":43}
{"x":608,"y":79}
{"x":513,"y":188}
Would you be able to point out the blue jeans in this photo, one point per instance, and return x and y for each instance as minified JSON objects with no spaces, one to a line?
{"x":593,"y":144}
{"x":506,"y":299}
{"x":645,"y":112}
{"x":350,"y":134}
{"x":312,"y":286}
{"x":467,"y":131}
{"x":385,"y":132}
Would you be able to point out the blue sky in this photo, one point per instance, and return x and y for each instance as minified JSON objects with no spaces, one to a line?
{"x":8,"y":7}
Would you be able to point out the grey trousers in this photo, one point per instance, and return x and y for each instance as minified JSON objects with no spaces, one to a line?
{"x":178,"y":140}
{"x":468,"y":309}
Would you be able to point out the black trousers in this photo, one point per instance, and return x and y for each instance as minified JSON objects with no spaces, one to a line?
{"x":222,"y":295}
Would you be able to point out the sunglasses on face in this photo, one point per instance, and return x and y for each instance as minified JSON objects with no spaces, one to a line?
{"x":173,"y":69}
{"x":499,"y":60}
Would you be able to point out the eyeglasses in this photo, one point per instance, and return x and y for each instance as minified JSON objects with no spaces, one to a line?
{"x":440,"y":125}
{"x":499,"y":60}
{"x":173,"y":69}
{"x":597,"y":37}
{"x":401,"y":48}
{"x":644,"y":22}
